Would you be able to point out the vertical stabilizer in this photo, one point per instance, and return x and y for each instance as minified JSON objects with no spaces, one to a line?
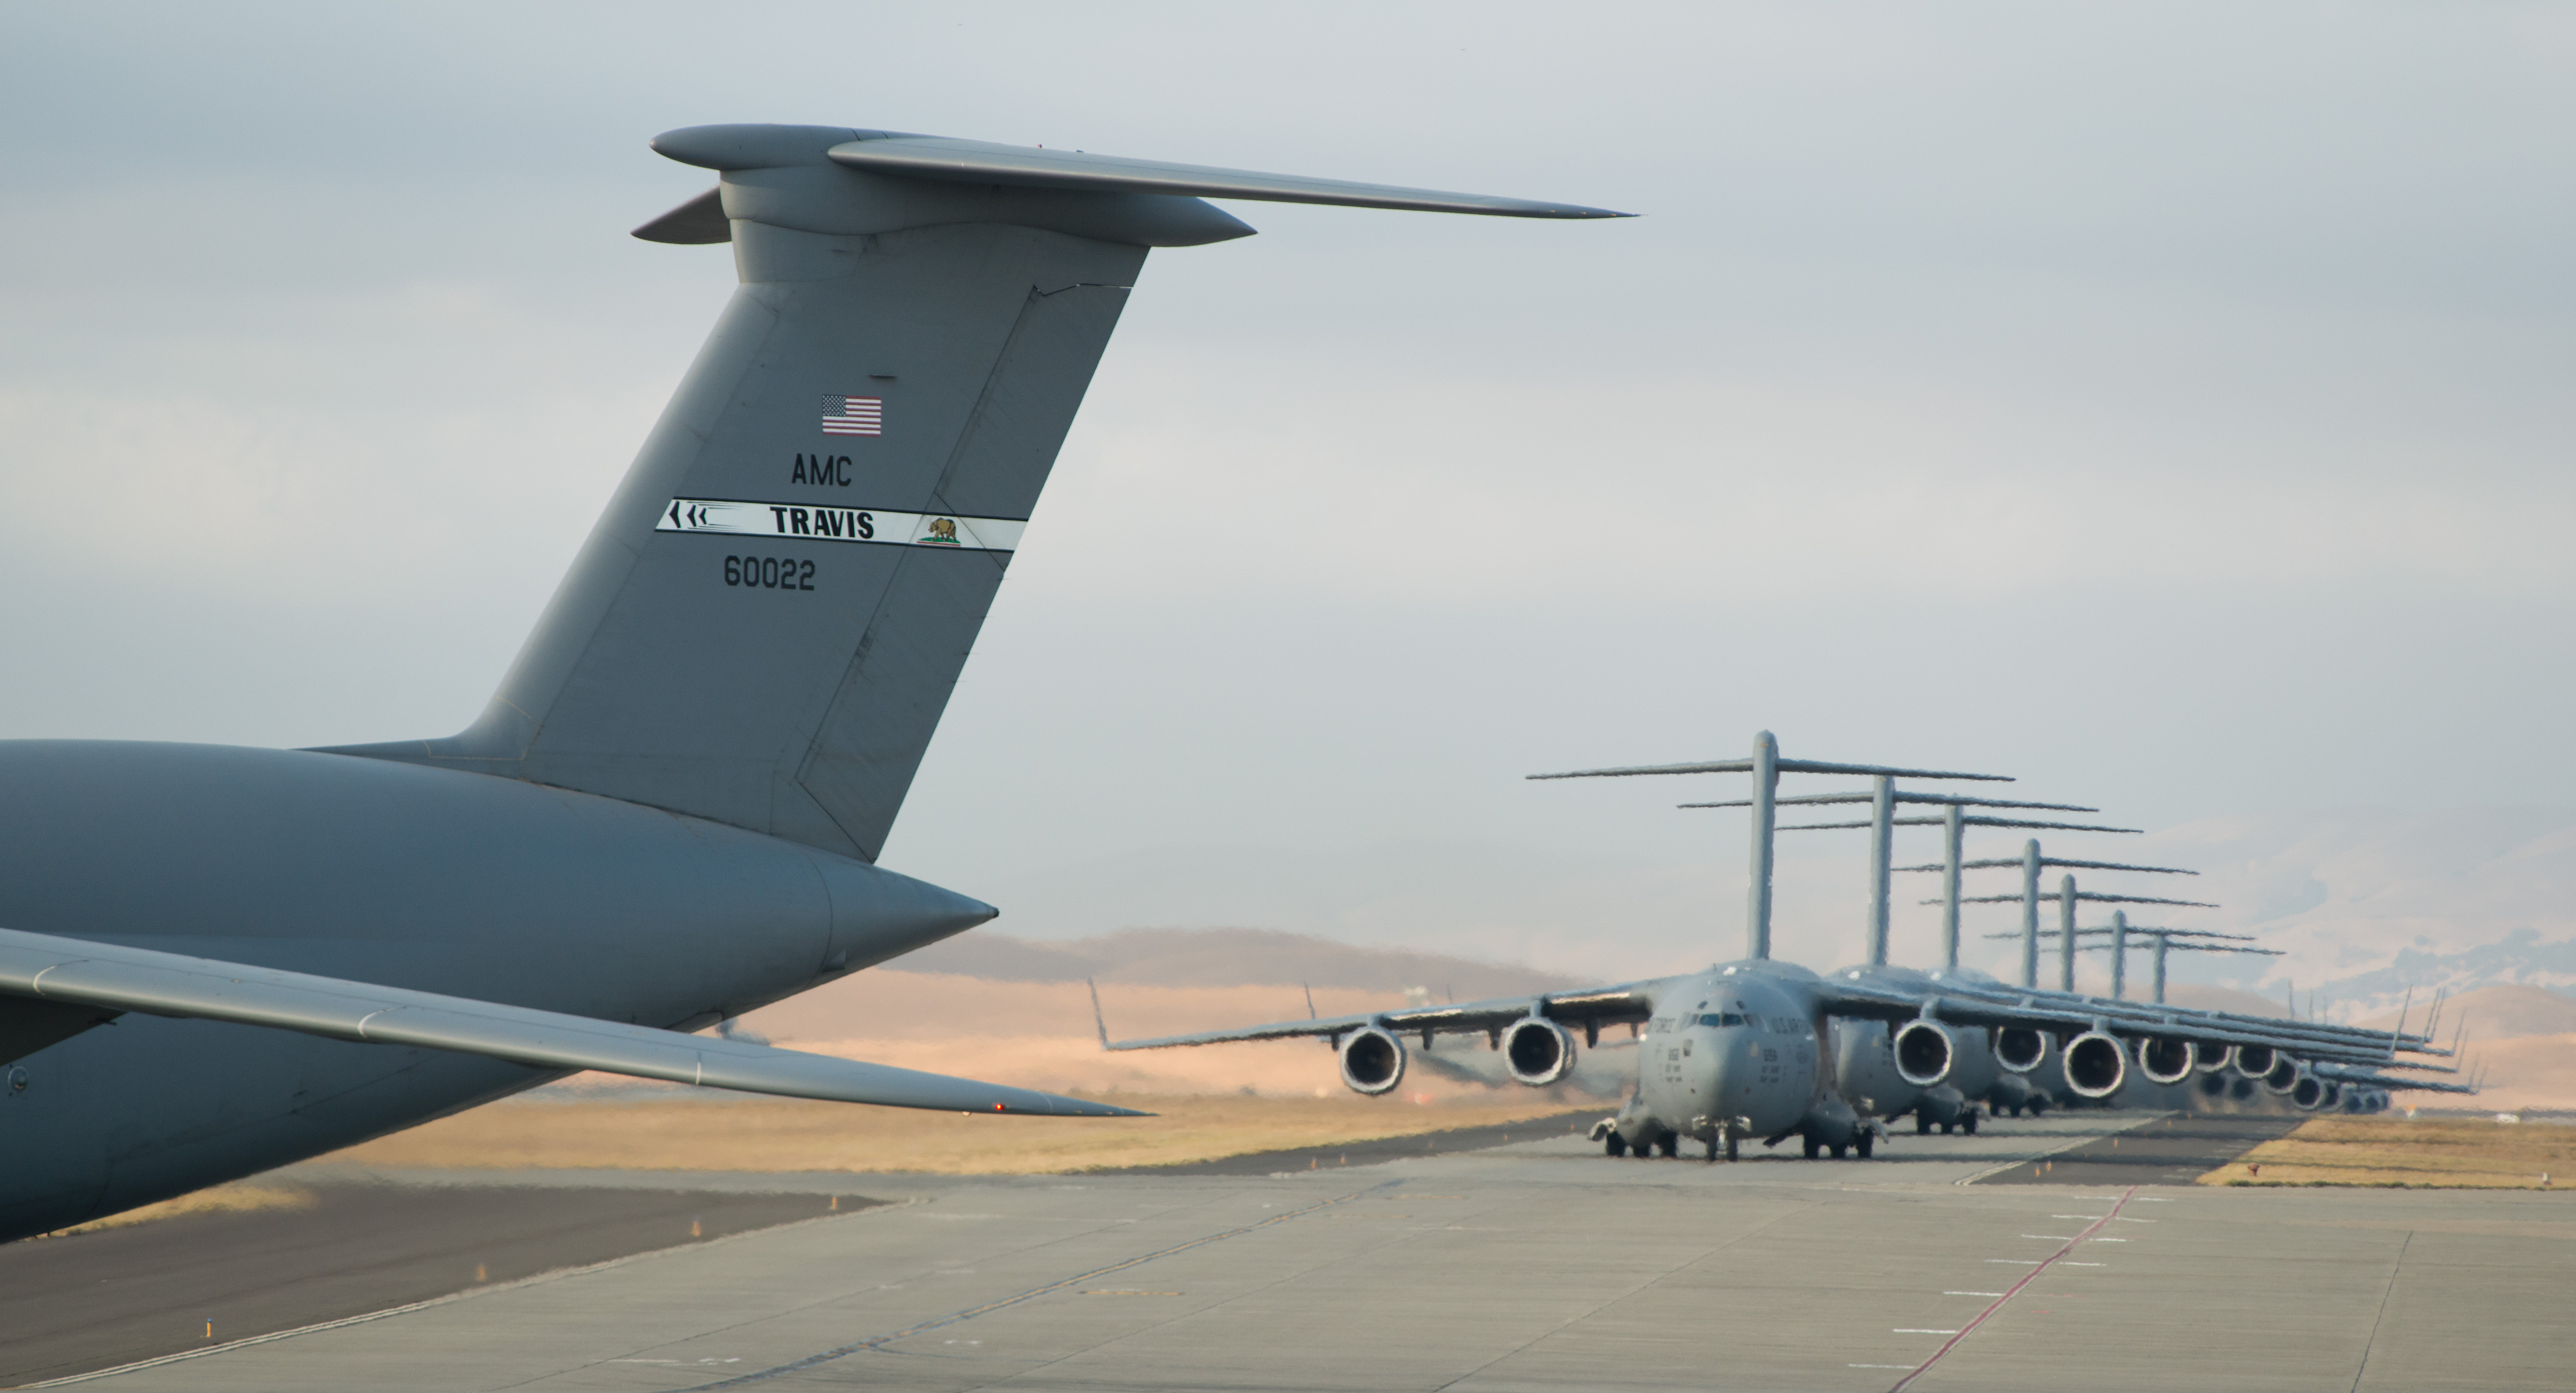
{"x":766,"y":624}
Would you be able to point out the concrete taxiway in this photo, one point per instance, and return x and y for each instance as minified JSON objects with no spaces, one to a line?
{"x":1537,"y":1265}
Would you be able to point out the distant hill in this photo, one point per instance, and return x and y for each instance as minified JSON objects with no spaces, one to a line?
{"x":2366,"y":904}
{"x":2495,"y":1013}
{"x":1224,"y":958}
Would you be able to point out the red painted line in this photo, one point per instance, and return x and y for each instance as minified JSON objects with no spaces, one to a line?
{"x":2012,"y":1291}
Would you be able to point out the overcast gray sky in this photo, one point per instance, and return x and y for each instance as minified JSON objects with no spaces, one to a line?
{"x":2167,"y":404}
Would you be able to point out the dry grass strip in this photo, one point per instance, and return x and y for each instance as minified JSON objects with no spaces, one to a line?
{"x":776,"y":1134}
{"x":222,"y":1199}
{"x":2392,"y":1153}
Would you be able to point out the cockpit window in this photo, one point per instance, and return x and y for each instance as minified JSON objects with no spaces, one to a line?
{"x":1722,"y":1018}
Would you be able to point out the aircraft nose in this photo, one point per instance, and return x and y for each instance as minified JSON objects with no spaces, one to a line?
{"x":1735,"y":1067}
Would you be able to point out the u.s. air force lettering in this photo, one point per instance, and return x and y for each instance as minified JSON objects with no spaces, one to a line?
{"x":804,"y":522}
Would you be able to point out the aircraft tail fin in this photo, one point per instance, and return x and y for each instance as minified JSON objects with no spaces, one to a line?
{"x":766,"y":623}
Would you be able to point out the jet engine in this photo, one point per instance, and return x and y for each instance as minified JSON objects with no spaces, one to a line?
{"x":2285,"y":1075}
{"x":2255,"y":1061}
{"x":2211,"y":1059}
{"x":2095,"y":1065}
{"x":2019,"y":1049}
{"x":2311,"y":1094}
{"x":2165,"y":1060}
{"x":1372,"y":1061}
{"x":1923,"y":1053}
{"x":1539,"y":1052}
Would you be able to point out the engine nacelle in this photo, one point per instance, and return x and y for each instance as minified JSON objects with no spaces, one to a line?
{"x":2020,"y":1050}
{"x":1372,"y":1061}
{"x":2096,"y":1066}
{"x":2165,"y":1060}
{"x":2310,"y":1093}
{"x":2212,"y":1059}
{"x":1923,"y":1053}
{"x":1539,"y":1052}
{"x":2285,"y":1075}
{"x":2255,"y":1061}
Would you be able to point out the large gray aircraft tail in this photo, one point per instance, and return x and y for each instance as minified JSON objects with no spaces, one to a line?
{"x":765,"y":625}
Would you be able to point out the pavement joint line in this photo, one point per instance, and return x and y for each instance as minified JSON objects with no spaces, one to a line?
{"x":879,"y":1342}
{"x":1998,"y":1304}
{"x":2382,"y":1314}
{"x":467,"y":1294}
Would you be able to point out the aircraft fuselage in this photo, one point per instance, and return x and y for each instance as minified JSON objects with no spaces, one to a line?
{"x":381,"y":872}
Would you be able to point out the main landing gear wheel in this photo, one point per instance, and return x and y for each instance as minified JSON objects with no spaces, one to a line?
{"x":1841,"y":1152}
{"x":1922,"y":1124}
{"x":1672,"y":1145}
{"x":1615,"y":1144}
{"x":1730,"y":1148}
{"x":1814,"y":1148}
{"x":1968,"y":1124}
{"x":1867,"y":1139}
{"x":1945,"y":1129}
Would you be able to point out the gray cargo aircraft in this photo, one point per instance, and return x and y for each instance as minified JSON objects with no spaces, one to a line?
{"x":219,"y":960}
{"x":1737,"y":1051}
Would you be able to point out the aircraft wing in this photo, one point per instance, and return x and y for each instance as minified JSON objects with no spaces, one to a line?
{"x":2353,"y":1074}
{"x":114,"y":977}
{"x":1589,"y":1007}
{"x":2060,"y":1014}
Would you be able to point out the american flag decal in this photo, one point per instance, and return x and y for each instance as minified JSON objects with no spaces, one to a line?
{"x":853,"y":415}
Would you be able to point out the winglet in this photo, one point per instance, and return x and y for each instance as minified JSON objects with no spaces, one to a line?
{"x":1097,"y":1022}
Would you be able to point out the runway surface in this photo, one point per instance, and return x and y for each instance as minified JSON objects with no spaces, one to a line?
{"x":2168,"y":1151}
{"x":97,"y":1299}
{"x":1537,"y":1265}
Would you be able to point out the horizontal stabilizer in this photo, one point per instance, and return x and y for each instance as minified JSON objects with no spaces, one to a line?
{"x":1943,"y":799}
{"x":2085,"y":895}
{"x":983,"y":162}
{"x":119,"y":978}
{"x":1968,"y":821}
{"x":2017,"y":863}
{"x":1785,"y":766}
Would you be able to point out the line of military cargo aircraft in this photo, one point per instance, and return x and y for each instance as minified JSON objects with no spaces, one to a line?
{"x":1767,"y":1050}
